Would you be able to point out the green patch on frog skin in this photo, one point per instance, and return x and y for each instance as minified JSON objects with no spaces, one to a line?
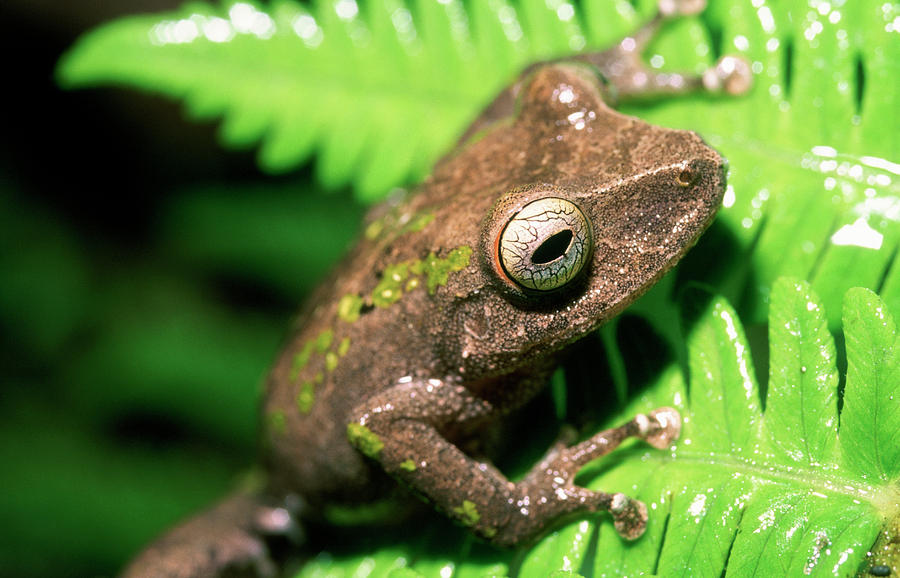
{"x":365,"y":440}
{"x":395,"y":227}
{"x":437,"y":271}
{"x":374,"y":229}
{"x":343,"y":347}
{"x":408,"y":465}
{"x":331,"y":361}
{"x":390,"y":289}
{"x":306,"y":397}
{"x":324,"y":339}
{"x":407,"y":276}
{"x":300,"y":360}
{"x":417,"y":223}
{"x":349,"y":307}
{"x":467,"y":513}
{"x":277,"y":422}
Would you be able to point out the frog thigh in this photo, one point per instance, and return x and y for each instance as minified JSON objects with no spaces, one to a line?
{"x":222,"y":541}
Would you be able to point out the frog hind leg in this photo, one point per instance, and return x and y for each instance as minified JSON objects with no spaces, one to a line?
{"x":227,"y":540}
{"x":623,"y":67}
{"x":402,"y":428}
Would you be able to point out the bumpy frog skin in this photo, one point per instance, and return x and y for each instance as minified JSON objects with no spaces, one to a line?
{"x":552,"y":215}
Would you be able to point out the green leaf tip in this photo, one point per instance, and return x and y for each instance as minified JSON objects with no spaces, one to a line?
{"x":801,"y":406}
{"x":870,"y":421}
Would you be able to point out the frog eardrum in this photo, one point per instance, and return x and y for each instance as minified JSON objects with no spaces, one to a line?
{"x":545,"y":245}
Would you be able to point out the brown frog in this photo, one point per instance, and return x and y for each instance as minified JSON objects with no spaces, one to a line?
{"x":551,"y":216}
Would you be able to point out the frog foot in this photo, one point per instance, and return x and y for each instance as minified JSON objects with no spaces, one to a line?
{"x":546,"y":497}
{"x":629,"y":516}
{"x":623,"y":66}
{"x":672,"y":8}
{"x":663,"y":426}
{"x":731,"y":75}
{"x":659,"y":428}
{"x":549,"y":491}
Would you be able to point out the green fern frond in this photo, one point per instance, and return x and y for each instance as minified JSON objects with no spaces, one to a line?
{"x":378,"y":90}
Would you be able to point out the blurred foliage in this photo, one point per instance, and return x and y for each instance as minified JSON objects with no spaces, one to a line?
{"x":131,"y":385}
{"x":134,"y":351}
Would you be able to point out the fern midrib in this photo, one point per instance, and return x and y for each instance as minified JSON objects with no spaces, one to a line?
{"x":785,"y":474}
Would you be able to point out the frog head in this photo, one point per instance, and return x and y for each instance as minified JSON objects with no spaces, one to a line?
{"x":594,"y":207}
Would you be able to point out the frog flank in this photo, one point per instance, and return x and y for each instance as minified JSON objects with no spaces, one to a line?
{"x":321,"y":354}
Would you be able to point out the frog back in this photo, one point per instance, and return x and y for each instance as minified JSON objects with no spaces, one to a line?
{"x":368,"y":325}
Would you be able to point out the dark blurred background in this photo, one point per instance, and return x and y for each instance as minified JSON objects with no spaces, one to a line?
{"x":147,"y":278}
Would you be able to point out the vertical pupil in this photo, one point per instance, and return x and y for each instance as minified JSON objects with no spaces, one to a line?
{"x":553,"y":248}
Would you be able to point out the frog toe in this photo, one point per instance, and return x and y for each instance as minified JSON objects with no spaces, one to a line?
{"x":662,"y":427}
{"x":671,"y":8}
{"x":731,"y":75}
{"x":629,"y":516}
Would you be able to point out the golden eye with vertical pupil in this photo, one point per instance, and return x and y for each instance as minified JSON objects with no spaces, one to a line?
{"x":546,"y":244}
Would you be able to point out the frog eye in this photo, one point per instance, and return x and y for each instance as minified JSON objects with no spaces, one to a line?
{"x":546,"y":244}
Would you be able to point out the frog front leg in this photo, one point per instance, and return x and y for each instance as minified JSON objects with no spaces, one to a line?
{"x":405,"y":429}
{"x":622,"y":75}
{"x":624,"y":69}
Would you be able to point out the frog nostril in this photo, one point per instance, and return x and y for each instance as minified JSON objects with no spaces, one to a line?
{"x":686,"y":177}
{"x":553,"y":248}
